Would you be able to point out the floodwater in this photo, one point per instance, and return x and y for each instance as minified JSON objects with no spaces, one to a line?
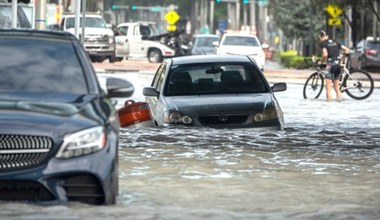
{"x":324,"y":165}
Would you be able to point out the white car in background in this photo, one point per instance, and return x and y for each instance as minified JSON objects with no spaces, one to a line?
{"x":242,"y":44}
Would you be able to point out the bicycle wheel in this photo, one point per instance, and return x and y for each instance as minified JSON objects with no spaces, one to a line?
{"x":313,"y":86}
{"x":358,"y":84}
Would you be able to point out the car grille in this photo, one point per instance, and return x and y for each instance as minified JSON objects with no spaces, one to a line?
{"x":24,"y":190}
{"x":83,"y":188}
{"x":222,"y":119}
{"x":22,"y":151}
{"x":96,"y":38}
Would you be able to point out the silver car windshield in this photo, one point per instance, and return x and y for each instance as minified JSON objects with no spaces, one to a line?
{"x":214,"y":79}
{"x":33,"y":65}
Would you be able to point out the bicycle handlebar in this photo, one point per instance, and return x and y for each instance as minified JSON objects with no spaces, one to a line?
{"x":314,"y":62}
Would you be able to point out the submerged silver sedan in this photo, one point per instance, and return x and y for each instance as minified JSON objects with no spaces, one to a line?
{"x":227,"y":91}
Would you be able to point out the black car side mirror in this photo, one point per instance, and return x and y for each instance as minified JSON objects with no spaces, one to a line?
{"x":117,"y":87}
{"x":150,"y":91}
{"x":279,"y":87}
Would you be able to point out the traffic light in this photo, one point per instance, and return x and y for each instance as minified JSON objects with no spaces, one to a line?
{"x":245,"y":1}
{"x":114,"y":7}
{"x":218,"y":1}
{"x":133,"y":7}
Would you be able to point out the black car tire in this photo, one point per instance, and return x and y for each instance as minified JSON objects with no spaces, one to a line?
{"x":112,"y":58}
{"x":155,"y":56}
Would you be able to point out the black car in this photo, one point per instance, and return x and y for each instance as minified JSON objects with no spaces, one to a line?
{"x":228,"y":91}
{"x":366,"y":55}
{"x":59,"y":131}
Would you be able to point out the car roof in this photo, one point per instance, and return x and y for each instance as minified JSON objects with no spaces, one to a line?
{"x":206,"y":35}
{"x":239,"y":34}
{"x":87,"y":15}
{"x":137,"y":22}
{"x":209,"y":59}
{"x":51,"y":34}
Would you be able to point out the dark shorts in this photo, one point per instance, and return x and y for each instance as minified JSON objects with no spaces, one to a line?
{"x":333,"y":69}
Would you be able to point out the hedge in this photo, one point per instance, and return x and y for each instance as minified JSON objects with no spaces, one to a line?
{"x":290,"y":59}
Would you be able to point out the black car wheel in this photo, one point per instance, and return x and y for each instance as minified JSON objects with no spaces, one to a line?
{"x":155,"y":56}
{"x":112,"y":58}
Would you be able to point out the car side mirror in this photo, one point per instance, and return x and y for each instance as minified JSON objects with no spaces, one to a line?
{"x":117,"y":87}
{"x":279,"y":87}
{"x":150,"y":91}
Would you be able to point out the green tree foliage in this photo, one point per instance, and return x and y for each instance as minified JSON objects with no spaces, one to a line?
{"x":295,"y":17}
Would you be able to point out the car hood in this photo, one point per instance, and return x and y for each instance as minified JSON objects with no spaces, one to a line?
{"x":240,"y":50}
{"x":211,"y":104}
{"x":47,"y":118}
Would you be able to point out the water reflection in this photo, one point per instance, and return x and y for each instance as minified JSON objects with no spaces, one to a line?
{"x":324,"y":165}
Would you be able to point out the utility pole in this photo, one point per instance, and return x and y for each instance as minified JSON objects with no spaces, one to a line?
{"x":212,"y":6}
{"x":375,"y":32}
{"x":40,"y":21}
{"x":252,"y":9}
{"x":14,"y":13}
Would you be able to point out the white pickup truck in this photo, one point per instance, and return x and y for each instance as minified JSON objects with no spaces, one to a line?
{"x":134,"y":40}
{"x":99,"y":40}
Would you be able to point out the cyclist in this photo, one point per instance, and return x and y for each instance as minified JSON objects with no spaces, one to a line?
{"x":331,"y":54}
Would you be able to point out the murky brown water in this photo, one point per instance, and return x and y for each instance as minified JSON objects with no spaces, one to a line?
{"x":324,"y":165}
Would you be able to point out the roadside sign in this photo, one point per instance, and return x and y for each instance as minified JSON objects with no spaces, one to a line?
{"x":334,"y":22}
{"x":171,"y":17}
{"x":333,"y":10}
{"x":171,"y":27}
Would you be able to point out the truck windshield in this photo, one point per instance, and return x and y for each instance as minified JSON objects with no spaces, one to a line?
{"x":91,"y":22}
{"x":23,"y":16}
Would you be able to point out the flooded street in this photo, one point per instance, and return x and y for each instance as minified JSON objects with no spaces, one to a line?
{"x":324,"y":165}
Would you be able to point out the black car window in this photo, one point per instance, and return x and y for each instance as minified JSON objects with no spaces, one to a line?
{"x":205,"y":41}
{"x":123,"y":30}
{"x":240,"y":41}
{"x":373,"y":45}
{"x":33,"y":65}
{"x":145,"y":30}
{"x":201,"y":79}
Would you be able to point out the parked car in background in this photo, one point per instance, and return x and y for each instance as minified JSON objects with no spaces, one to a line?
{"x":366,"y":54}
{"x":99,"y":39}
{"x":242,"y":44}
{"x":59,"y":130}
{"x":213,"y":91}
{"x":203,"y":44}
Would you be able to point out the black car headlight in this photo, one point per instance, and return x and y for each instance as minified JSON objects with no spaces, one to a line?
{"x":82,"y":143}
{"x":177,"y":118}
{"x":267,"y":115}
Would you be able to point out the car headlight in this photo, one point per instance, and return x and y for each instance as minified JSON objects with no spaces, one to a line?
{"x":177,"y":118}
{"x":111,"y":39}
{"x":82,"y":143}
{"x":267,"y":115}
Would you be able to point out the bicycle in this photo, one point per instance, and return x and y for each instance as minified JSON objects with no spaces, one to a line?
{"x":357,"y":83}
